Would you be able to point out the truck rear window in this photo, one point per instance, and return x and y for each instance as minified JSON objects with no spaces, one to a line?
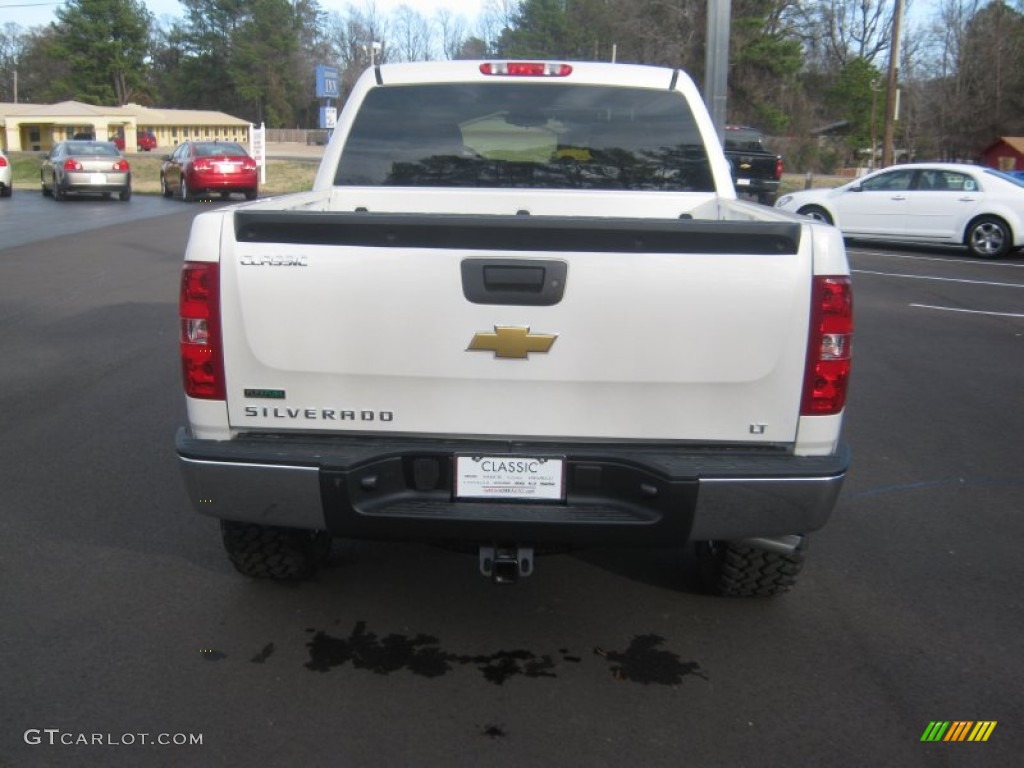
{"x":507,"y":135}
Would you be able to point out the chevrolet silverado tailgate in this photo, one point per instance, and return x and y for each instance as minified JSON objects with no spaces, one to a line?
{"x":530,"y":326}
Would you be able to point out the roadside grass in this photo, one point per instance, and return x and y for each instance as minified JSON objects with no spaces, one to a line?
{"x":283,"y":176}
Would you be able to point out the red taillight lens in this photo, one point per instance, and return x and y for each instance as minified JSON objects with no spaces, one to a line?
{"x":122,"y":165}
{"x":525,"y":69}
{"x":202,"y":165}
{"x":778,"y":169}
{"x":249,"y":164}
{"x":828,"y":351}
{"x":202,"y":360}
{"x":3,"y":161}
{"x":72,"y":165}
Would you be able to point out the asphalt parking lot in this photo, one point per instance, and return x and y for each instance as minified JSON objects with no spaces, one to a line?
{"x":122,"y":616}
{"x":28,"y":216}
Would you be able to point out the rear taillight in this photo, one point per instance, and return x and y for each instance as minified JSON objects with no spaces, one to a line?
{"x":828,"y":351}
{"x":122,"y":165}
{"x":72,"y":165}
{"x":249,"y":164}
{"x":202,"y":165}
{"x":525,"y":69}
{"x":778,"y":169}
{"x":202,"y":360}
{"x":3,"y":161}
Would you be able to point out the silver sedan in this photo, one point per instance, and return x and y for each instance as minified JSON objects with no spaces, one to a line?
{"x":85,"y":166}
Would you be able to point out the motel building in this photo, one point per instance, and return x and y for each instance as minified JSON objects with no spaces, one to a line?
{"x":38,"y":127}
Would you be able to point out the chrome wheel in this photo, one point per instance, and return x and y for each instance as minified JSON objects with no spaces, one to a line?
{"x":988,"y":238}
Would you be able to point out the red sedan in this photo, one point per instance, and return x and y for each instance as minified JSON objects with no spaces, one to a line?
{"x":198,"y":169}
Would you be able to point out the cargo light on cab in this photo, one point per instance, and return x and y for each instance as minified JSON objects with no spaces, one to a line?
{"x":828,"y":351}
{"x":202,"y":359}
{"x":525,"y":69}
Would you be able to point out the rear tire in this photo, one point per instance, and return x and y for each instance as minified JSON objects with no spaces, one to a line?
{"x":7,"y":191}
{"x":271,"y":552}
{"x":183,"y":191}
{"x":989,"y":238}
{"x":58,"y":193}
{"x":126,"y":195}
{"x":250,"y":194}
{"x":164,"y":190}
{"x":733,"y":569}
{"x":817,"y":212}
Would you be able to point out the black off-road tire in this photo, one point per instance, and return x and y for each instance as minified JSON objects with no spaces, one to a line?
{"x":271,"y":552}
{"x":733,"y":569}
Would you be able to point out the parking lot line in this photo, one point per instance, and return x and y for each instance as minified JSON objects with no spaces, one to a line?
{"x":968,"y":311}
{"x":917,"y":257}
{"x":941,"y":279}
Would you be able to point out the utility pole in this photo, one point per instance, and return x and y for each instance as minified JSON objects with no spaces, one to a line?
{"x":890,"y":102}
{"x":716,"y":62}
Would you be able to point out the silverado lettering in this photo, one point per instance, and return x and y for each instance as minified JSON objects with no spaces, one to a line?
{"x":696,"y":392}
{"x":329,"y":414}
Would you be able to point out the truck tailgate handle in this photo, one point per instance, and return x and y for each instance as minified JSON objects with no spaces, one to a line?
{"x":524,"y":282}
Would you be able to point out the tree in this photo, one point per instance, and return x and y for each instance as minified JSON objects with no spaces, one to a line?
{"x":13,"y":40}
{"x":264,"y":43}
{"x":250,"y":58}
{"x":853,"y":97}
{"x":105,"y":45}
{"x":839,"y":31}
{"x":559,"y":29}
{"x":453,"y":33}
{"x":411,"y":35}
{"x":765,"y":59}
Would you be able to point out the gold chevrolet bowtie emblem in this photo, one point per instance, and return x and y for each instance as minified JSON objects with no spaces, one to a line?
{"x":511,"y":342}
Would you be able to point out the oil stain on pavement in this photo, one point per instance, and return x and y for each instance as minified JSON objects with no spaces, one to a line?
{"x":644,"y":661}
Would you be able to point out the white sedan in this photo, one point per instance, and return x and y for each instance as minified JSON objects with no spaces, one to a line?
{"x":942,"y":203}
{"x":6,"y":186}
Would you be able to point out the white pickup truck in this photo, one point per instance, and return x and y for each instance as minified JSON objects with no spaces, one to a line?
{"x":521,"y":309}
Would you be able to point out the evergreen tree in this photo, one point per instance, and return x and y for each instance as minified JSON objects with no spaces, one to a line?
{"x":105,"y":45}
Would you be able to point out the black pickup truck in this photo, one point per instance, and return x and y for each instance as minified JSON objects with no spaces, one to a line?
{"x":755,"y":170}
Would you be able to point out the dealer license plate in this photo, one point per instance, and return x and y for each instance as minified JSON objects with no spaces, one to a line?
{"x":98,"y":178}
{"x":226,"y":167}
{"x":509,"y":477}
{"x":742,"y":182}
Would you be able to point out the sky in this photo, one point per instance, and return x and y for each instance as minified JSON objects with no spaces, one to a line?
{"x":30,"y":13}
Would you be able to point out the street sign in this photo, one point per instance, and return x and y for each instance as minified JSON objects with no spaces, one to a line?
{"x":327,"y":84}
{"x":328,"y":117}
{"x":258,"y":148}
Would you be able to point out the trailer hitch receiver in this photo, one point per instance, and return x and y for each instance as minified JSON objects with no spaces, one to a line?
{"x":506,"y":564}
